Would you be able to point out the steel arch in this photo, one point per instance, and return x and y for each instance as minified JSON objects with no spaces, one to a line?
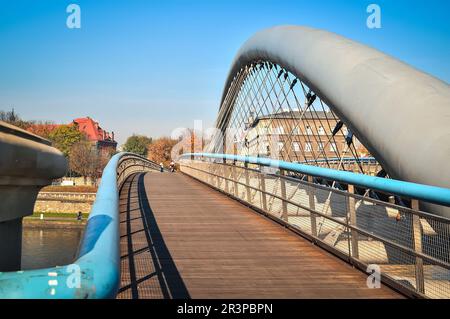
{"x":399,"y":113}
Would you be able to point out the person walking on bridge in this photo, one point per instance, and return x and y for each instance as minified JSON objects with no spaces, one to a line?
{"x":161,"y":167}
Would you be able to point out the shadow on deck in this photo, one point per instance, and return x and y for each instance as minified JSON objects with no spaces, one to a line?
{"x":182,"y":239}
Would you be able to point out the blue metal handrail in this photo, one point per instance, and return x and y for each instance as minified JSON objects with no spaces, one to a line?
{"x":431,"y":194}
{"x":98,"y":264}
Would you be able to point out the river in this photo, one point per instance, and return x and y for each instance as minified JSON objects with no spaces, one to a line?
{"x":48,"y":247}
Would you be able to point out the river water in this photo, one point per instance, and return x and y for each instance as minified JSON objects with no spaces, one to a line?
{"x":48,"y":247}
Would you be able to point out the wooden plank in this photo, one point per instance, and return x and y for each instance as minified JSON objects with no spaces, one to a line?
{"x":182,"y":239}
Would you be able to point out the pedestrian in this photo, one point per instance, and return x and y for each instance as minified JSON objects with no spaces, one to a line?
{"x":161,"y":166}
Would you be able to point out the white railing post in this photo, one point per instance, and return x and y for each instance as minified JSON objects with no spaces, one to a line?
{"x":226,"y":175}
{"x":217,"y":174}
{"x":312,"y":206}
{"x":351,"y":206}
{"x":247,"y":185}
{"x":417,"y":242}
{"x":236,"y":190}
{"x":284,"y":211}
{"x":262,"y":180}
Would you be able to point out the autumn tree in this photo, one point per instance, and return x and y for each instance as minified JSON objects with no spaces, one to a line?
{"x":13,"y":118}
{"x":64,"y":137}
{"x":43,"y":129}
{"x":137,"y":144}
{"x":87,"y":161}
{"x":188,"y":142}
{"x":159,"y":150}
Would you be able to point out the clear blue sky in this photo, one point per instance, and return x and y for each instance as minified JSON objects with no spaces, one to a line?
{"x":150,"y":66}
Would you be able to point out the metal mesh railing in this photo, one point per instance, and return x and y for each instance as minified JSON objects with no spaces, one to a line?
{"x":130,"y":164}
{"x":411,"y":247}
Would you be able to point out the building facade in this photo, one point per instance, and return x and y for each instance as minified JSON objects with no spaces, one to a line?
{"x":100,"y":138}
{"x":313,"y":137}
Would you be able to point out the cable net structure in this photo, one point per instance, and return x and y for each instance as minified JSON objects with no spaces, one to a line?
{"x":272,"y":113}
{"x":304,"y":95}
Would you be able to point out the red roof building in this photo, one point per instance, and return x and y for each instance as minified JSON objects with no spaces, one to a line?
{"x":103,"y":139}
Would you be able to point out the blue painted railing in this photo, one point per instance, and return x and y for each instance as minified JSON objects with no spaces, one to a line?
{"x":431,"y":194}
{"x":96,"y":272}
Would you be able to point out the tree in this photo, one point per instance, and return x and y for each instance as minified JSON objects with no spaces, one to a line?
{"x":65,"y":136}
{"x":43,"y":129}
{"x":13,"y":118}
{"x":87,"y":161}
{"x":160,"y":150}
{"x":137,"y":144}
{"x":81,"y":159}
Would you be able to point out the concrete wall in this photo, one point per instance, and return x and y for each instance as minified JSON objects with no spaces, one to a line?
{"x":61,"y":207}
{"x":64,"y":202}
{"x":79,"y":181}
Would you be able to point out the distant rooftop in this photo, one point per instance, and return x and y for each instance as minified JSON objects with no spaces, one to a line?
{"x":93,"y":130}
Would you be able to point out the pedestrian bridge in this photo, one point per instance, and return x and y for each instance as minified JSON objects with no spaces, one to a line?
{"x":182,"y":239}
{"x":328,"y":171}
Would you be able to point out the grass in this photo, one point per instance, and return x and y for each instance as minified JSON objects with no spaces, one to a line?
{"x":58,"y":215}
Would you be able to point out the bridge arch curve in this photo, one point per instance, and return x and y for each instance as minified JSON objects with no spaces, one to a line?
{"x":399,"y":113}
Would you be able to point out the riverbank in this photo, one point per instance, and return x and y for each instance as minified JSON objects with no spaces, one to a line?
{"x":55,"y":220}
{"x":52,"y":223}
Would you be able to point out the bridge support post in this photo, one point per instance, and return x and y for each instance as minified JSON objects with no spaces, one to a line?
{"x":247,"y":184}
{"x":210,"y":177}
{"x":27,"y":163}
{"x":284,"y":211}
{"x":233,"y":173}
{"x":227,"y":174}
{"x":417,"y":242}
{"x":221,"y":179}
{"x":351,"y":206}
{"x":11,"y":244}
{"x":216,"y":170}
{"x":312,"y":206}
{"x":262,"y":181}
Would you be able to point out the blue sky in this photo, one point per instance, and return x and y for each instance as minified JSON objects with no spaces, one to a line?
{"x":150,"y":66}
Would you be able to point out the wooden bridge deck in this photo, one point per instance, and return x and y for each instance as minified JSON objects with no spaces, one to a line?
{"x":182,"y":239}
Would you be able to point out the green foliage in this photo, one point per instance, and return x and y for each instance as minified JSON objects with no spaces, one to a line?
{"x":65,"y":136}
{"x":137,"y":144}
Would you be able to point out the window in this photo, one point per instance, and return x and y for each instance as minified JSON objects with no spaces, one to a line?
{"x":280,"y":145}
{"x":263,"y":130}
{"x":320,"y":146}
{"x":267,"y":150}
{"x":308,"y":147}
{"x":279,"y":130}
{"x":321,"y":130}
{"x":295,"y":131}
{"x":333,"y":147}
{"x":308,"y":130}
{"x":296,"y":147}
